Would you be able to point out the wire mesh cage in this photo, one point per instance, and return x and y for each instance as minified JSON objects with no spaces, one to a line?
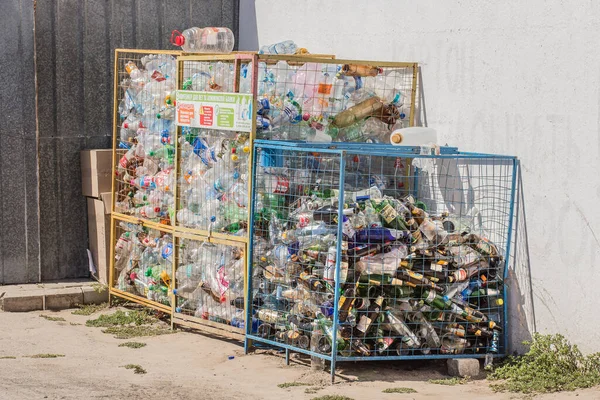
{"x":209,"y":285}
{"x":144,"y":134}
{"x":319,"y":100}
{"x":214,"y":166}
{"x":142,"y":263}
{"x":379,"y":252}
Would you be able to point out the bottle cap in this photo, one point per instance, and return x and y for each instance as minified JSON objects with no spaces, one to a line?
{"x":499,"y":302}
{"x":177,"y":38}
{"x":213,"y":218}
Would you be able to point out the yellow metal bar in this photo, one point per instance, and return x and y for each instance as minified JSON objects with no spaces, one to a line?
{"x":189,"y":235}
{"x":413,"y":95}
{"x":146,"y":223}
{"x":227,"y":242}
{"x":206,"y":57}
{"x":140,"y":300}
{"x":111,"y":263}
{"x":149,"y":51}
{"x":323,"y":60}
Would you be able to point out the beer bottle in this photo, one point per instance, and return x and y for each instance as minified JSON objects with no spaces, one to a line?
{"x":346,"y":302}
{"x":417,"y":279}
{"x":384,"y":279}
{"x":360,"y":347}
{"x":383,"y":343}
{"x":311,"y":282}
{"x":398,"y":326}
{"x":365,"y":321}
{"x":391,"y":218}
{"x":453,"y":345}
{"x":327,"y":328}
{"x":476,"y":330}
{"x":428,"y":332}
{"x":273,"y":317}
{"x":435,"y":300}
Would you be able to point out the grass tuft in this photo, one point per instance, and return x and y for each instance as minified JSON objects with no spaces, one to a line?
{"x":450,"y":381}
{"x":128,"y":332}
{"x":399,"y":390}
{"x":332,"y":397}
{"x":7,"y":357}
{"x":133,"y":345}
{"x":46,"y":355}
{"x":137,"y":369}
{"x":313,"y":390}
{"x":89,"y":309}
{"x":552,"y":364}
{"x":55,"y":319}
{"x":292,"y":384}
{"x":121,"y":318}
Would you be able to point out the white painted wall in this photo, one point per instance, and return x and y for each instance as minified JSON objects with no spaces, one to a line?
{"x":512,"y":77}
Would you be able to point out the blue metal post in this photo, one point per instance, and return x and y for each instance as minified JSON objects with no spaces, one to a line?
{"x":336,"y":285}
{"x":507,"y":254}
{"x":249,"y":253}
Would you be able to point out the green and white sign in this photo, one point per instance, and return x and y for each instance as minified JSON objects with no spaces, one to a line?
{"x":214,"y":110}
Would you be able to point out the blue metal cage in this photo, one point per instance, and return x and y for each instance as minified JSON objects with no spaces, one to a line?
{"x":377,"y":252}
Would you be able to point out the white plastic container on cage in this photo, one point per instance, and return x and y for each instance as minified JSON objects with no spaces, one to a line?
{"x":413,"y":136}
{"x":204,"y":40}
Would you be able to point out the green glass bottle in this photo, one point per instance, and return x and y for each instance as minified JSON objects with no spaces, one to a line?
{"x":327,"y":328}
{"x":390,"y":217}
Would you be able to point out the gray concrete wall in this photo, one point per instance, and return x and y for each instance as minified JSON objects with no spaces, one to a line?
{"x":43,"y":235}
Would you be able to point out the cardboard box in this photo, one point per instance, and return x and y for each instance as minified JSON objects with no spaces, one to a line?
{"x":96,"y":172}
{"x":99,"y":233}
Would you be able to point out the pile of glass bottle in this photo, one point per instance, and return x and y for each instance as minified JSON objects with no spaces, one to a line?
{"x":410,"y":281}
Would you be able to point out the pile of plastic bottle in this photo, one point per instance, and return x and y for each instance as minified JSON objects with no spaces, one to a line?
{"x":411,"y":281}
{"x":146,"y":139}
{"x":326,"y":101}
{"x":214,"y":181}
{"x":210,"y":282}
{"x":143,"y":262}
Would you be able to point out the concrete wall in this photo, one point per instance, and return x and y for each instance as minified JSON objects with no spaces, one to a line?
{"x":43,"y":231}
{"x":510,"y":77}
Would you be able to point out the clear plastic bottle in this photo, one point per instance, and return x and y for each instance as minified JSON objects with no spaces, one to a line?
{"x":285,"y":47}
{"x":204,"y":40}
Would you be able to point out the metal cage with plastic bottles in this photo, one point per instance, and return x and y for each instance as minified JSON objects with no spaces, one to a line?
{"x":315,"y":99}
{"x":144,"y":174}
{"x":376,"y":252}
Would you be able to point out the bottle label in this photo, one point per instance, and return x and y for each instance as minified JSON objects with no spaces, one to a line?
{"x":363,"y":323}
{"x":430,"y":296}
{"x":436,"y":267}
{"x":282,"y":185}
{"x":389,"y":213}
{"x":324,"y":88}
{"x":348,"y":229}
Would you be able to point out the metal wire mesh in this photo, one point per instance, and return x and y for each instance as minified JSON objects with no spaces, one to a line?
{"x":210,"y":283}
{"x":145,"y":135}
{"x":143,"y":264}
{"x":379,"y":252}
{"x":213,"y":164}
{"x":329,"y":100}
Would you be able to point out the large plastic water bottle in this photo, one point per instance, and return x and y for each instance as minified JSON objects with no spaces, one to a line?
{"x":204,"y":40}
{"x":285,"y":47}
